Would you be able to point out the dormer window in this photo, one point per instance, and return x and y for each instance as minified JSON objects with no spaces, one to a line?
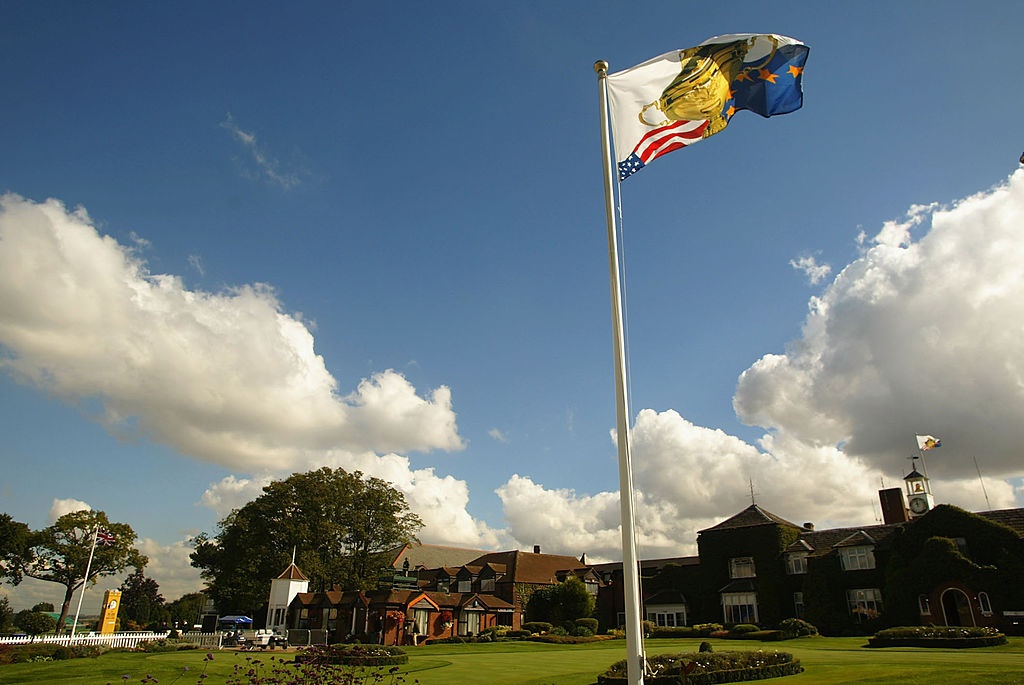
{"x":741,"y":567}
{"x":859,"y":558}
{"x":796,"y":563}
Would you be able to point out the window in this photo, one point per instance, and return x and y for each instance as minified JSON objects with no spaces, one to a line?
{"x":469,"y":622}
{"x":796,"y":563}
{"x":739,"y":607}
{"x":420,"y":621}
{"x":984,"y":604}
{"x":741,"y":567}
{"x":857,"y":558}
{"x":865,"y":603}
{"x":924,"y":605}
{"x":670,"y":615}
{"x":443,"y":583}
{"x":465,"y":586}
{"x":798,"y":604}
{"x":487,"y":585}
{"x":591,"y":586}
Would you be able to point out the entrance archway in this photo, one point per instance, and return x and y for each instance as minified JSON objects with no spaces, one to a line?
{"x":956,"y":607}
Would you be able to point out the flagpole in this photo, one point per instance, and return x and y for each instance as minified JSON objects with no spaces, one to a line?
{"x":635,"y":661}
{"x":85,"y":581}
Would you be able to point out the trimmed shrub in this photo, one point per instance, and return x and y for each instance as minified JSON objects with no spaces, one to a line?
{"x":353,"y":655}
{"x":567,"y":639}
{"x":705,"y":629}
{"x":518,"y":633}
{"x":581,"y":631}
{"x":704,"y":668}
{"x":766,"y":635}
{"x":558,"y":630}
{"x":588,"y":623}
{"x":537,"y":626}
{"x":164,"y":645}
{"x":705,"y":646}
{"x":797,"y":627}
{"x":955,"y":637}
{"x":741,"y":628}
{"x":45,"y":651}
{"x":666,"y":631}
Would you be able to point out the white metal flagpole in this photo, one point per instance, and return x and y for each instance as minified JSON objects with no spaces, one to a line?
{"x":635,"y":660}
{"x":85,"y":581}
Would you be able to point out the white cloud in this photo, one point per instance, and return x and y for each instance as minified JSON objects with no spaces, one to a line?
{"x":267,"y":166}
{"x":227,"y":377}
{"x":913,"y":337}
{"x":59,"y":507}
{"x":815,"y":272}
{"x":497,"y":434}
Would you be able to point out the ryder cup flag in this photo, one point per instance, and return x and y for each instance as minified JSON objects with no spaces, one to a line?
{"x":928,"y":442}
{"x":684,"y":96}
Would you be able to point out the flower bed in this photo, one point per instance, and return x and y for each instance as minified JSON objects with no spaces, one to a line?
{"x":353,"y":655}
{"x":950,"y":637}
{"x":704,"y":668}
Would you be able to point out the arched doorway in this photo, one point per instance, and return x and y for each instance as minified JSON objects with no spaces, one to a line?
{"x":956,"y":607}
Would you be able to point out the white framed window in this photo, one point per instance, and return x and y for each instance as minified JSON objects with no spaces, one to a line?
{"x":465,"y":586}
{"x":859,"y":558}
{"x":469,"y":622}
{"x":796,"y":563}
{"x":798,"y":604}
{"x":864,"y":603}
{"x":741,"y":567}
{"x":487,"y":585}
{"x":421,"y":622}
{"x":669,"y":615}
{"x":924,"y":605}
{"x":739,"y":607}
{"x":985,"y":604}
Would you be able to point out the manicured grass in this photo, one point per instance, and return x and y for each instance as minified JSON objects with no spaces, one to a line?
{"x":828,"y":661}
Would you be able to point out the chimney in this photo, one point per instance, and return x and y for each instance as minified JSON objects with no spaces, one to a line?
{"x":536,"y":549}
{"x":583,"y":559}
{"x":894,"y":509}
{"x":808,"y":526}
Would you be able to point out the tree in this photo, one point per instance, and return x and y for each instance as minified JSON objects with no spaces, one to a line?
{"x":184,"y":611}
{"x":563,"y":603}
{"x":6,"y":616}
{"x":141,"y":601}
{"x":339,"y":521}
{"x":34,"y":622}
{"x":43,"y":606}
{"x":14,"y":537}
{"x":60,"y":553}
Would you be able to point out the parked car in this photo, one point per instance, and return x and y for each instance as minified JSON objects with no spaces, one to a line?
{"x":268,"y":638}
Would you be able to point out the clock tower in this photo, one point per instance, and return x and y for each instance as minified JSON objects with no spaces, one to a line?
{"x":919,"y":496}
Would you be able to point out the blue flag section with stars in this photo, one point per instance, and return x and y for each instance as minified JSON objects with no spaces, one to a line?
{"x":685,"y":96}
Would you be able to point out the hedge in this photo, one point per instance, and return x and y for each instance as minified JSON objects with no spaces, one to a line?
{"x":353,"y":655}
{"x":951,"y":637}
{"x":17,"y":654}
{"x":706,"y":668}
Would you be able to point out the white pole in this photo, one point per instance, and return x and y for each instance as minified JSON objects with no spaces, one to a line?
{"x":85,"y":581}
{"x":635,"y":661}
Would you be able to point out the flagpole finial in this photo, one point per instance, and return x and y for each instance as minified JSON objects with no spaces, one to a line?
{"x":601,"y":67}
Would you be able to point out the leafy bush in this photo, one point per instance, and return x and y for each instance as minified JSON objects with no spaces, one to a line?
{"x":765,"y":635}
{"x":705,"y":646}
{"x":537,"y":626}
{"x":796,"y":627}
{"x":518,"y":633}
{"x":937,"y":636}
{"x":567,"y":639}
{"x":702,"y":668}
{"x":667,"y":631}
{"x":165,"y":645}
{"x":46,"y":651}
{"x":353,"y":655}
{"x":705,"y":629}
{"x":741,"y":628}
{"x":588,"y":623}
{"x":558,"y":630}
{"x":581,"y":631}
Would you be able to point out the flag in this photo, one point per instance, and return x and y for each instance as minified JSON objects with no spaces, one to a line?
{"x":104,"y":538}
{"x":685,"y":96}
{"x":928,"y":442}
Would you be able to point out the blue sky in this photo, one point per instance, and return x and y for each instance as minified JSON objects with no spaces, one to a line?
{"x":247,"y":239}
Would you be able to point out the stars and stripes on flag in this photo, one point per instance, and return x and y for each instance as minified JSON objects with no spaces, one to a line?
{"x":928,"y":442}
{"x":104,"y":537}
{"x":684,"y":96}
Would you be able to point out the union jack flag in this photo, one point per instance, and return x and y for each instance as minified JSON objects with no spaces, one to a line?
{"x":104,"y":537}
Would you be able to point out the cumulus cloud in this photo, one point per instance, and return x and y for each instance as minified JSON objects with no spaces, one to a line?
{"x":66,"y":506}
{"x":228,"y":378}
{"x":915,"y":336}
{"x":810,"y":267}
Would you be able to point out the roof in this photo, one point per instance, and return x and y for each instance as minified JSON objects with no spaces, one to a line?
{"x":432,"y":556}
{"x":292,"y":573}
{"x":750,"y":517}
{"x":1011,"y":518}
{"x":822,"y":541}
{"x":531,"y":567}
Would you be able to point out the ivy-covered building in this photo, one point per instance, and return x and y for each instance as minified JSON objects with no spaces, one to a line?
{"x":924,"y":565}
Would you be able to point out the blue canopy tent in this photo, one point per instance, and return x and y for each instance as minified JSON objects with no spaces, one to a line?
{"x":235,"y":620}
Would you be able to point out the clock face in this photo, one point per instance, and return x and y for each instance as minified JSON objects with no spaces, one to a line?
{"x":919,"y":505}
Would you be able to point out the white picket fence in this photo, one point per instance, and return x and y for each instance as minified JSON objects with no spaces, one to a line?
{"x":123,"y":640}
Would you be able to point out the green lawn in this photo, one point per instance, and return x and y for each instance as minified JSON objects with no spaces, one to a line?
{"x":826,"y":660}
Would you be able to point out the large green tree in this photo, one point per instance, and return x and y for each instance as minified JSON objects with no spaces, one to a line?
{"x":141,"y":601}
{"x":184,"y":612}
{"x":60,"y":554}
{"x":14,"y":539}
{"x":338,"y":522}
{"x":561,"y":604}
